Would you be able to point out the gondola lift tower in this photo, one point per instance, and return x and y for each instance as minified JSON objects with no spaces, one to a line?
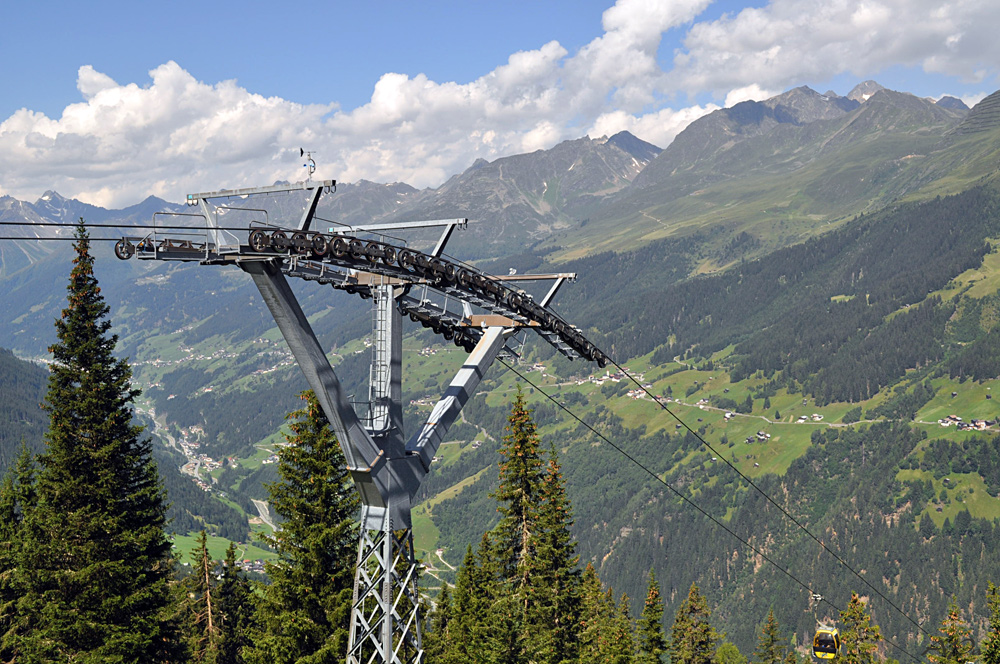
{"x":480,"y":312}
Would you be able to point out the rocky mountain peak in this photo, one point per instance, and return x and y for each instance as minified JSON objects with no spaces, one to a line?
{"x":952,"y":102}
{"x":862,"y":91}
{"x":635,"y":146}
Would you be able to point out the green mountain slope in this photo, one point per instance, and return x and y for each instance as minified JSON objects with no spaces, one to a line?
{"x":793,"y":181}
{"x":822,"y":269}
{"x":884,"y":320}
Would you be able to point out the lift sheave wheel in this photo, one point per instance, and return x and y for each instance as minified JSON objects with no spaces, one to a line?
{"x":258,"y":240}
{"x":124,"y":250}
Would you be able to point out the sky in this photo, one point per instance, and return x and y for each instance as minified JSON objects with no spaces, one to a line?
{"x":111,"y":102}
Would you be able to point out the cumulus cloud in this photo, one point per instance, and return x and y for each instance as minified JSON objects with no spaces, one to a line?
{"x":788,"y":41}
{"x":124,"y":142}
{"x":176,"y":134}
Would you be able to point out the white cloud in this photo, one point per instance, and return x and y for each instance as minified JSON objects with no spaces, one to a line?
{"x":175,"y":134}
{"x":658,"y":128}
{"x":752,"y":92}
{"x":789,"y":41}
{"x":124,"y":142}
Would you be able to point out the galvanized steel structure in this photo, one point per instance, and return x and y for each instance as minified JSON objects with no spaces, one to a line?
{"x":477,"y":311}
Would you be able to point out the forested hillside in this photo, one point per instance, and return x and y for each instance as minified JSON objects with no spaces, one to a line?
{"x":891,"y":312}
{"x":22,"y":388}
{"x":813,"y":304}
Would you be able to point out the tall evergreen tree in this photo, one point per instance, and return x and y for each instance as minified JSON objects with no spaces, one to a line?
{"x":649,"y":630}
{"x":16,"y":495}
{"x":594,"y":619}
{"x":201,"y":621}
{"x":467,"y":608}
{"x":304,"y":614}
{"x":770,"y":649}
{"x":235,"y":610}
{"x":859,"y":640}
{"x":605,"y":631}
{"x":692,"y":637}
{"x":552,"y":592}
{"x":436,"y":634}
{"x":954,"y":644}
{"x":518,"y":599}
{"x":991,"y":645}
{"x":93,"y":561}
{"x":622,"y":645}
{"x":518,"y":495}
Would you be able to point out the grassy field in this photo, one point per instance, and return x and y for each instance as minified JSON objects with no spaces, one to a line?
{"x":963,"y":491}
{"x":184,"y":544}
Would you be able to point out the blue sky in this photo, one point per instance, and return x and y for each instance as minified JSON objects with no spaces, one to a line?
{"x":113,"y":101}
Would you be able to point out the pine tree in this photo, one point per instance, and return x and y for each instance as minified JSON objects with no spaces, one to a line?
{"x":16,"y":495}
{"x":954,"y":645}
{"x":465,"y":613}
{"x":652,"y":640}
{"x":305,"y":611}
{"x":692,"y":637}
{"x":770,"y":649}
{"x":622,"y":643}
{"x":605,"y":626}
{"x":93,"y":561}
{"x":201,"y":628}
{"x":436,"y":634}
{"x":593,"y":618}
{"x":235,"y":610}
{"x":518,"y":495}
{"x":991,"y":645}
{"x":859,"y":640}
{"x":552,"y":592}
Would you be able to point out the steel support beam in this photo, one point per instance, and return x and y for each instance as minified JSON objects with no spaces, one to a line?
{"x":381,"y":479}
{"x":425,"y":443}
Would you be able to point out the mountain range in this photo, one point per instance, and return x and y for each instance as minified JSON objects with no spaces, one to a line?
{"x":801,"y":261}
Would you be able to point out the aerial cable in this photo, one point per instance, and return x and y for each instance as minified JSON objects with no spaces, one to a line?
{"x":129,"y":226}
{"x":765,"y":495}
{"x":764,"y":556}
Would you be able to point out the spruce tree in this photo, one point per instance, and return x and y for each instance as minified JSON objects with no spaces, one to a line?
{"x":464,"y":614}
{"x":552,"y":592}
{"x":593,"y":619}
{"x":235,"y":610}
{"x":518,"y":495}
{"x":954,"y":644}
{"x":770,"y":649}
{"x":305,"y":612}
{"x":16,"y":495}
{"x":622,"y":642}
{"x":93,"y":560}
{"x":991,"y":645}
{"x":692,"y":637}
{"x":859,"y":640}
{"x":649,"y":630}
{"x":436,"y":634}
{"x":201,"y":620}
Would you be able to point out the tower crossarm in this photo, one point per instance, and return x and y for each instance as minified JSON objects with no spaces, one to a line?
{"x":425,"y":443}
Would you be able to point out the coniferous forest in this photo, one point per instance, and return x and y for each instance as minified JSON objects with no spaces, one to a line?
{"x":87,"y":573}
